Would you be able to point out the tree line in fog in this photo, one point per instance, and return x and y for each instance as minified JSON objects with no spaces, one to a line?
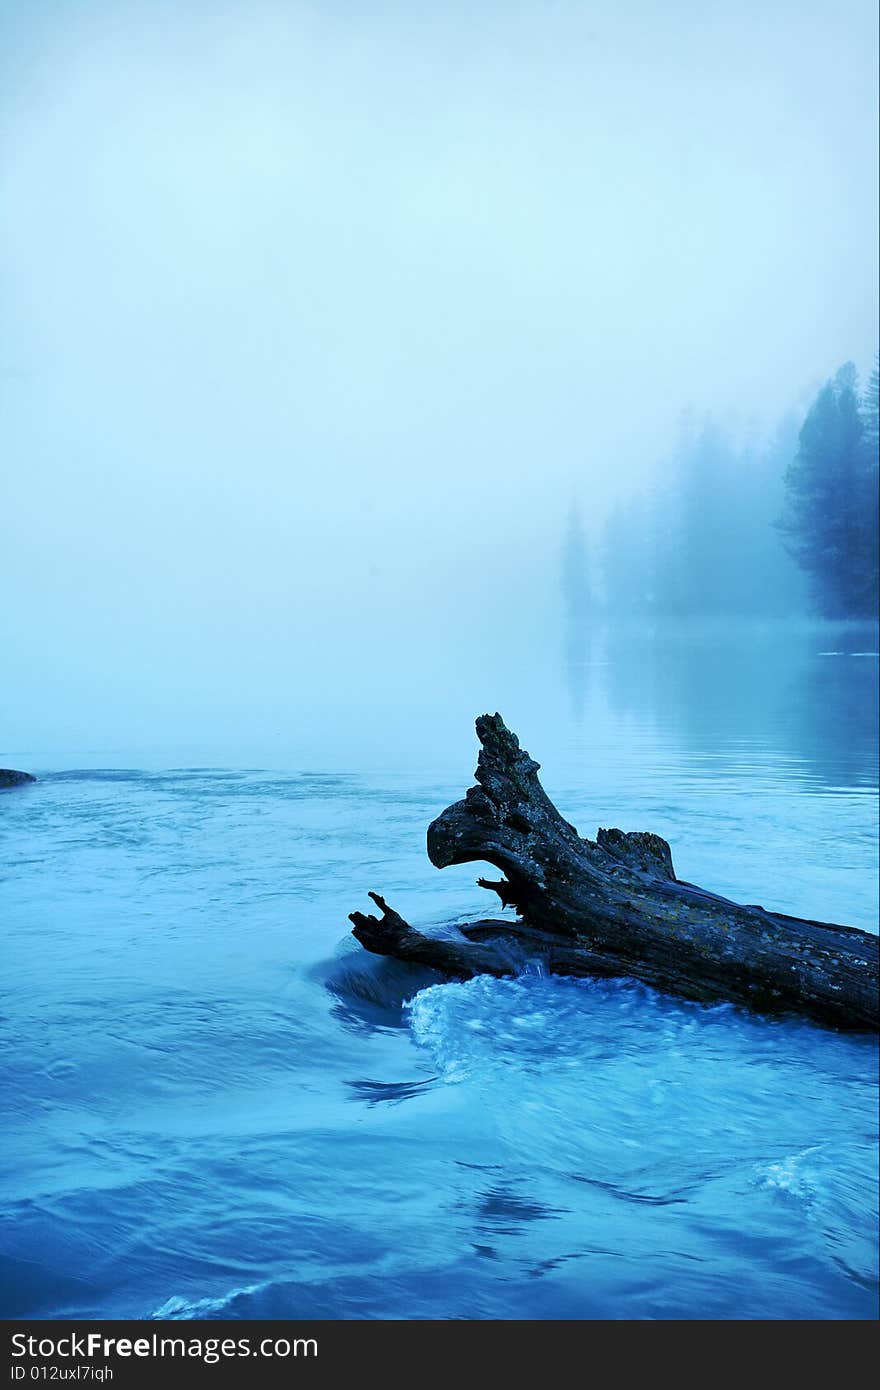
{"x":769,"y":531}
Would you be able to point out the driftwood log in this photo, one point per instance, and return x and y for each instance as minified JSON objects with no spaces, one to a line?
{"x":613,"y":906}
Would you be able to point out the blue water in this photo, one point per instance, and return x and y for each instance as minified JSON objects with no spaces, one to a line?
{"x":214,"y":1104}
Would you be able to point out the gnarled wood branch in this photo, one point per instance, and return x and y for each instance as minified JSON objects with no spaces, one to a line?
{"x":613,"y":906}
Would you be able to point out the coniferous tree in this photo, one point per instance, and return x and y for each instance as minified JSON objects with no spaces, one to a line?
{"x":869,"y":489}
{"x":871,"y":408}
{"x":830,"y":515}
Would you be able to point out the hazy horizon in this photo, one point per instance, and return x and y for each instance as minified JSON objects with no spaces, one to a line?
{"x":319,"y":316}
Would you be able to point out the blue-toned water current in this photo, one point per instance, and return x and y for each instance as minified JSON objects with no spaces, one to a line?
{"x":216,"y":1105}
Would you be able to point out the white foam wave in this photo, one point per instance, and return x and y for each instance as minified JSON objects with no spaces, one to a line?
{"x":185,"y":1309}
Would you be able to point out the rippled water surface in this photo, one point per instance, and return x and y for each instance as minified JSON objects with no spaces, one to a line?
{"x":215,"y":1104}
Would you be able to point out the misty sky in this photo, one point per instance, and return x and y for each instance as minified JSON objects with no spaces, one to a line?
{"x":316,"y":316}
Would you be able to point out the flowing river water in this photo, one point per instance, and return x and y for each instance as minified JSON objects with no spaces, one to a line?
{"x":216,"y":1105}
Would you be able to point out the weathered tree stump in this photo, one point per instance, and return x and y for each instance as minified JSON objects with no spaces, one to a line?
{"x":613,"y":906}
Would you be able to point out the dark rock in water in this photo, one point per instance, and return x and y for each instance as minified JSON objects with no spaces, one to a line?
{"x":10,"y":778}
